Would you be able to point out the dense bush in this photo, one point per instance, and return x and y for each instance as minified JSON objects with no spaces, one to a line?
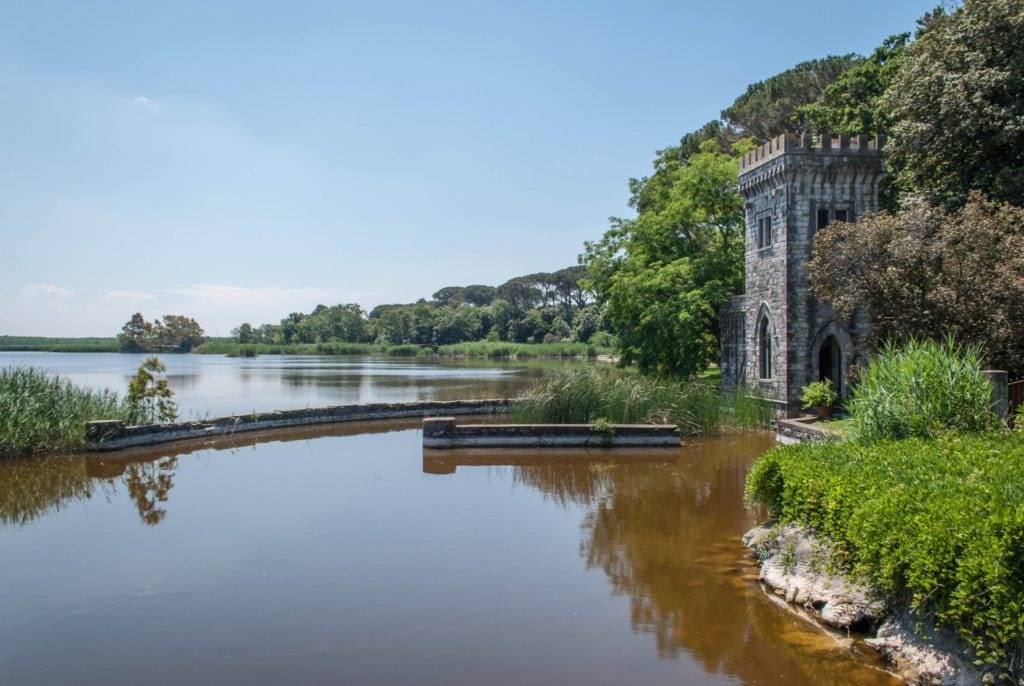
{"x":935,"y":523}
{"x":40,"y":413}
{"x":584,"y":395}
{"x":921,"y":389}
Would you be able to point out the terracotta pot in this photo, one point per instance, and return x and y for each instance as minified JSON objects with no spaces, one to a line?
{"x":824,"y":412}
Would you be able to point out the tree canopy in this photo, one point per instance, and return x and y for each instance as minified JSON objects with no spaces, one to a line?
{"x":957,"y":105}
{"x":769,"y":107}
{"x":662,"y":276}
{"x":535,"y":308}
{"x":929,"y":272}
{"x":176,"y":333}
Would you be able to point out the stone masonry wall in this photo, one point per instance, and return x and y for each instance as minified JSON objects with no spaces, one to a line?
{"x":788,"y":180}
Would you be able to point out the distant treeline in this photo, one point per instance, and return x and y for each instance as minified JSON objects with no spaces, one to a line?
{"x":59,"y":345}
{"x":537,"y":308}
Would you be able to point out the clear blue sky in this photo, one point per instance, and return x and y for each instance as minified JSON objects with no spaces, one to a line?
{"x":235,"y":161}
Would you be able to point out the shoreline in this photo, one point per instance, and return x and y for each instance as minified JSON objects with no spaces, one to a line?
{"x":796,"y":567}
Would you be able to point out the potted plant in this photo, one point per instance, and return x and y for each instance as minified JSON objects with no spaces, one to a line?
{"x":820,"y":394}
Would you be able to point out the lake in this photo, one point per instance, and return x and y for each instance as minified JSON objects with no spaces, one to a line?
{"x":347,"y":555}
{"x":216,"y":385}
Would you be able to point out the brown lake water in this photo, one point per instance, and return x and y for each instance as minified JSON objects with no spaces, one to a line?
{"x":348,"y":556}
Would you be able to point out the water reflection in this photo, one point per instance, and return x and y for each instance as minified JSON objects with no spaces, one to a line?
{"x":33,"y":487}
{"x":497,"y":575}
{"x":210,"y":385}
{"x":666,"y":535}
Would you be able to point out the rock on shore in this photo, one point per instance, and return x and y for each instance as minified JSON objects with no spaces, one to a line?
{"x":795,"y":565}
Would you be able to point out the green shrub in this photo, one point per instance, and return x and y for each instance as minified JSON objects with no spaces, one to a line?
{"x":819,"y":394}
{"x":583,"y":395}
{"x":40,"y":413}
{"x":921,"y":389}
{"x":937,"y":524}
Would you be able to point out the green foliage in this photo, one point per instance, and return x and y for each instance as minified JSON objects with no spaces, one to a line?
{"x":935,"y":523}
{"x":662,"y":276}
{"x":175,"y":333}
{"x":42,"y":413}
{"x":336,"y":348}
{"x":957,"y":105}
{"x":536,"y":308}
{"x":406,"y":350}
{"x":601,"y":425}
{"x":59,"y":345}
{"x":922,"y":389}
{"x":587,"y":394}
{"x":770,"y":107}
{"x":927,"y":272}
{"x":851,"y":105}
{"x":819,"y":394}
{"x":150,"y":399}
{"x":495,"y":349}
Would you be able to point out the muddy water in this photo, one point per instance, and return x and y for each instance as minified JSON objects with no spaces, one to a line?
{"x":353,"y":558}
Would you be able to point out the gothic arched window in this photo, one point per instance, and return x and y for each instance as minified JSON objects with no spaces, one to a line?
{"x":764,"y":348}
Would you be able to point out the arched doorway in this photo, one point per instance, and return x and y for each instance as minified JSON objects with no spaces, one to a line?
{"x":830,"y":363}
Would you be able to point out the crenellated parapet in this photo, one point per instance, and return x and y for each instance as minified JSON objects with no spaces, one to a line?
{"x":801,"y":162}
{"x":808,"y":144}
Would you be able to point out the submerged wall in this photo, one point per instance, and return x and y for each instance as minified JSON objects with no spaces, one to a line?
{"x":114,"y":435}
{"x":442,"y":432}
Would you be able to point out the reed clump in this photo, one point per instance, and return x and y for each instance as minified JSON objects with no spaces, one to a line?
{"x":500,"y":349}
{"x":585,"y":395}
{"x":922,"y":389}
{"x":43,"y":413}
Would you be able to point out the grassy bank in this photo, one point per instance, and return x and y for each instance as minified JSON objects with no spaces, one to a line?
{"x":588,"y":394}
{"x":936,"y":524}
{"x":58,"y":345}
{"x":518,"y":350}
{"x":41,"y":413}
{"x":482,"y":349}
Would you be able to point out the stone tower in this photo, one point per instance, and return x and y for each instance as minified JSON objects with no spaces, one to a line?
{"x":777,"y":336}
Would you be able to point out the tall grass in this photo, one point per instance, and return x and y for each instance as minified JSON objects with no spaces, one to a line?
{"x":59,"y":345}
{"x":583,"y":395}
{"x":41,"y":413}
{"x":517,"y":350}
{"x":922,"y":389}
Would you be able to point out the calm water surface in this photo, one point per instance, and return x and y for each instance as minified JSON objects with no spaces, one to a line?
{"x":354,"y":558}
{"x":215,"y":385}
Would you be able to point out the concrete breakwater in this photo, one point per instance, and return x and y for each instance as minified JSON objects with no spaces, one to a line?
{"x":442,"y":432}
{"x":114,"y":435}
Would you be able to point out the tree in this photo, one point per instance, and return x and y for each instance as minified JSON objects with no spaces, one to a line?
{"x":769,"y":107}
{"x":151,"y":399}
{"x":930,"y":272}
{"x":136,"y":335}
{"x":456,"y":325}
{"x":480,"y":295}
{"x":662,"y":276}
{"x":852,"y":104}
{"x":178,"y":333}
{"x":244,"y":333}
{"x":958,"y":106}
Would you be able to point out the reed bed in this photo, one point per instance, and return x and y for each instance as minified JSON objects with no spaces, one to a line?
{"x":496,"y":349}
{"x":43,"y":413}
{"x":589,"y":394}
{"x":922,"y":389}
